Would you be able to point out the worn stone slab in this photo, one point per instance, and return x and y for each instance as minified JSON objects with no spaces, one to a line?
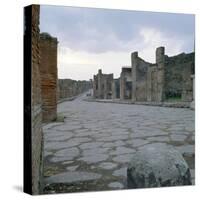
{"x":94,"y":158}
{"x":158,"y":139}
{"x":72,"y":168}
{"x":122,"y":150}
{"x":94,"y":151}
{"x":113,"y":138}
{"x":125,"y":158}
{"x":120,"y":172}
{"x":69,"y":152}
{"x":71,"y":177}
{"x":58,"y":145}
{"x":116,"y":185}
{"x":178,"y":138}
{"x":58,"y":137}
{"x":137,"y":142}
{"x":107,"y":165}
{"x":90,"y":145}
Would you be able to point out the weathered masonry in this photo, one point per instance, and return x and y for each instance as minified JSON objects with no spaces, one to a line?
{"x":126,"y":83}
{"x":70,"y":88}
{"x":48,"y":74}
{"x":102,"y":85}
{"x":169,"y":78}
{"x":33,"y":107}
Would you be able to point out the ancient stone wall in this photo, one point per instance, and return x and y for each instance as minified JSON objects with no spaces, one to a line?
{"x":36,"y":101}
{"x":48,"y":73}
{"x":157,"y":82}
{"x":126,"y":83}
{"x":141,"y":80}
{"x":139,"y":77}
{"x":178,"y":76}
{"x":70,"y":88}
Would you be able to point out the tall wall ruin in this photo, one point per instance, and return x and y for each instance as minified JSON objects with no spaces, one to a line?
{"x":167,"y":79}
{"x":33,"y":137}
{"x":178,"y":81}
{"x":48,"y":74}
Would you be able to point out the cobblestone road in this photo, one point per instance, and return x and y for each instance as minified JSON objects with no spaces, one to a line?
{"x":91,"y":149}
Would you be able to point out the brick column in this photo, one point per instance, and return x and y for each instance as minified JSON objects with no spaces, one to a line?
{"x":48,"y":72}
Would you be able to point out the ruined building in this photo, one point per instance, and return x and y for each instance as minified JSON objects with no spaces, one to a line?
{"x":48,"y":74}
{"x":71,"y":88}
{"x":102,"y":85}
{"x":168,"y":78}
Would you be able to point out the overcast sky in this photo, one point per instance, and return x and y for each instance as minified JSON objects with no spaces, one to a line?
{"x":90,"y":39}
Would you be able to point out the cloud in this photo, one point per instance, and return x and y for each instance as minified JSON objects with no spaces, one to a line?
{"x":101,"y":30}
{"x":90,"y":39}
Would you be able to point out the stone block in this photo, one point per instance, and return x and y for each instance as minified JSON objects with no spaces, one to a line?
{"x":157,"y":166}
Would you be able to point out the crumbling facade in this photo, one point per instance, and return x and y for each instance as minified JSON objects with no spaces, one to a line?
{"x":166,"y":79}
{"x":48,"y":74}
{"x":71,"y":88}
{"x":102,"y":85}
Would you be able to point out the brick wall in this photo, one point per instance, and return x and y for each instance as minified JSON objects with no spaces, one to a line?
{"x":36,"y":102}
{"x":48,"y":73}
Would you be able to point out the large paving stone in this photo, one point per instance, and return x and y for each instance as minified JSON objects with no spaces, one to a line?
{"x":94,"y":151}
{"x":116,"y":185}
{"x":120,"y":172}
{"x":71,"y":177}
{"x":65,"y":154}
{"x":157,"y":166}
{"x":107,"y":165}
{"x":125,"y":158}
{"x":59,"y":137}
{"x":122,"y":150}
{"x":178,"y":137}
{"x":69,"y":152}
{"x":113,"y":138}
{"x":58,"y":145}
{"x":94,"y":158}
{"x":90,"y":145}
{"x":158,"y":139}
{"x":137,"y":142}
{"x":72,"y":168}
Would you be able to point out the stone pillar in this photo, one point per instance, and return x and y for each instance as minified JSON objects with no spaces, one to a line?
{"x":113,"y":90}
{"x":149,"y":89}
{"x":122,"y":86}
{"x":99,"y":76}
{"x":94,"y":86}
{"x":160,"y":61}
{"x":105,"y":91}
{"x":134,"y":64}
{"x":48,"y":73}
